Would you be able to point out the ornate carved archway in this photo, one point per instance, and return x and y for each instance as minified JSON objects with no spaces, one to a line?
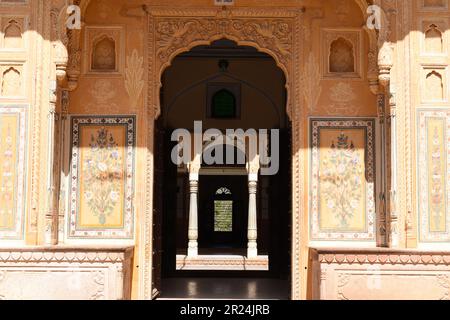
{"x":179,"y":31}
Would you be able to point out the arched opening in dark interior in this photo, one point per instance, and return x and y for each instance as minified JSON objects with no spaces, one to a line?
{"x":225,"y":86}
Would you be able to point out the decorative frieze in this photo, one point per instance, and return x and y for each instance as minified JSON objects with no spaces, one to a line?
{"x":223,"y":262}
{"x":383,"y":256}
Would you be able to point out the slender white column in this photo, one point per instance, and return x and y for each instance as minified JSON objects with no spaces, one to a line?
{"x":394,"y":217}
{"x":252,"y":232}
{"x":193,"y":216}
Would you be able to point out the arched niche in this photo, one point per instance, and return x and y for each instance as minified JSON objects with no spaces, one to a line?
{"x":13,"y":35}
{"x":433,"y":39}
{"x":104,"y":56}
{"x":434,"y":86}
{"x":342,"y":56}
{"x":11,"y":83}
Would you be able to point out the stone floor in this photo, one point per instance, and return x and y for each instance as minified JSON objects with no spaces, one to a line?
{"x":225,"y":288}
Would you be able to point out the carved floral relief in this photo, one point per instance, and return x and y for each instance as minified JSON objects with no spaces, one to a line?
{"x":134,"y":77}
{"x":103,"y":93}
{"x":342,"y":97}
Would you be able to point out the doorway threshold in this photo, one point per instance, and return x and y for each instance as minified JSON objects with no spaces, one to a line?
{"x":223,"y":263}
{"x":230,"y":288}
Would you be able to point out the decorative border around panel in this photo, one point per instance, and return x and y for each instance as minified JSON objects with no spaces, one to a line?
{"x":102,"y":177}
{"x":345,"y":167}
{"x":433,"y":170}
{"x":13,"y":128}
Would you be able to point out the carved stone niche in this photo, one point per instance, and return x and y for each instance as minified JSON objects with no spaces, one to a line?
{"x":11,"y":81}
{"x":433,"y":40}
{"x":434,"y":84}
{"x":341,"y":53}
{"x":105,"y":50}
{"x":13,"y":29}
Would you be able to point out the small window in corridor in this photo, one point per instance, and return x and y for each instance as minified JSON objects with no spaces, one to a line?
{"x":223,"y":211}
{"x":223,"y":100}
{"x":224,"y":104}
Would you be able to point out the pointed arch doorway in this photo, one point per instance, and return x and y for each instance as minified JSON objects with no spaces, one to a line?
{"x":197,"y":87}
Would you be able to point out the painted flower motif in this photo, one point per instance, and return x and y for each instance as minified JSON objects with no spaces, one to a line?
{"x":102,"y":167}
{"x":330,"y":204}
{"x":103,"y":176}
{"x":341,"y":182}
{"x":88,"y":195}
{"x":114,"y":196}
{"x":341,"y":168}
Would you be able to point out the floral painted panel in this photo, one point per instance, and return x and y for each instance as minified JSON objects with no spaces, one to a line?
{"x":343,"y":179}
{"x":102,"y":184}
{"x":433,"y":169}
{"x":12,"y":171}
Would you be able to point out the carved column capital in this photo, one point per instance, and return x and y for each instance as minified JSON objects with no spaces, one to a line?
{"x":385,"y":63}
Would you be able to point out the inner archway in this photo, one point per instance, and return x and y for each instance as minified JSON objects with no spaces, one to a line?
{"x":225,"y":87}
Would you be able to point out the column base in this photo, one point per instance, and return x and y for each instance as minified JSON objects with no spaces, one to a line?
{"x":192,"y":250}
{"x":252,"y":253}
